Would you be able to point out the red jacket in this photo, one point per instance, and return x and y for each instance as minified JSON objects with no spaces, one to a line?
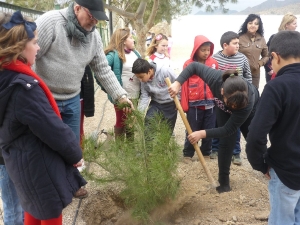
{"x":195,"y":92}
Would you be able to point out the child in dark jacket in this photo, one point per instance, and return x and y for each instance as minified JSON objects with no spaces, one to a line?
{"x":278,"y":115}
{"x":197,"y":99}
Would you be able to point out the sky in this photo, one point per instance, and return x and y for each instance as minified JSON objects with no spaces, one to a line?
{"x":239,"y":6}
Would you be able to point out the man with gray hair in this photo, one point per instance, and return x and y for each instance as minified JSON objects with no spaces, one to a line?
{"x":69,"y":43}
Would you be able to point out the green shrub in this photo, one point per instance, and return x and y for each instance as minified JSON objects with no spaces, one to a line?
{"x":147,"y":166}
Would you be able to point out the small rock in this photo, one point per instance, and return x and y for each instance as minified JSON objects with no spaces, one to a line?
{"x":178,"y":221}
{"x":234,"y":218}
{"x":230,"y":222}
{"x":114,"y":219}
{"x":197,"y":222}
{"x":252,"y":203}
{"x":262,"y":216}
{"x":223,"y":219}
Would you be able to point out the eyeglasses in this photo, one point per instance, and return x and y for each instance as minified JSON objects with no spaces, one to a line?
{"x":89,"y":14}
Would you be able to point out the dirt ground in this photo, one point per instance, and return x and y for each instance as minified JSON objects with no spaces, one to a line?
{"x":197,"y":203}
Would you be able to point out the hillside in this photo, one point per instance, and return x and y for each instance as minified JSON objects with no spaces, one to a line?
{"x":274,"y":7}
{"x":293,"y":8}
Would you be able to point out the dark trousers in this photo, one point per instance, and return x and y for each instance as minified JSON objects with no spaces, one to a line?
{"x":237,"y":147}
{"x":227,"y":144}
{"x":167,"y":110}
{"x":268,"y":77}
{"x":199,"y":120}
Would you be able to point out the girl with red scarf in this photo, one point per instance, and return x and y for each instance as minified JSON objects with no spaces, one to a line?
{"x":41,"y":153}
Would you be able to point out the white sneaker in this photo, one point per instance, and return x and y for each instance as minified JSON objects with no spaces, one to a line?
{"x":81,"y":168}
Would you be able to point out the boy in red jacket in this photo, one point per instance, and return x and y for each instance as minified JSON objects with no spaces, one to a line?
{"x":196,"y":98}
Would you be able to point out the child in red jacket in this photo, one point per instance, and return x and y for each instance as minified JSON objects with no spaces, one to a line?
{"x":197,"y":99}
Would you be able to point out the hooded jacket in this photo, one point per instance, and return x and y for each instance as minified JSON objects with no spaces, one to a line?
{"x":195,"y":92}
{"x":39,"y":150}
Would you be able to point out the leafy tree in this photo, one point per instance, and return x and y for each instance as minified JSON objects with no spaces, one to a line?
{"x":141,"y":14}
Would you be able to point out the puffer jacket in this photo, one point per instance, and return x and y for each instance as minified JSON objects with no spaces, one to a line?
{"x":195,"y":92}
{"x":38,"y":148}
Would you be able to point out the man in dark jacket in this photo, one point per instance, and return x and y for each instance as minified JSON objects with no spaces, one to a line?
{"x":278,"y":116}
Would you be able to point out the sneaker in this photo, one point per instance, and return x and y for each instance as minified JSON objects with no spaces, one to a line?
{"x":82,"y":167}
{"x":236,"y":159}
{"x":187,"y":160}
{"x":81,"y":193}
{"x":213,"y":155}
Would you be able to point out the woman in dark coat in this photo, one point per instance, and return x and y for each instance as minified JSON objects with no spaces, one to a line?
{"x":235,"y":100}
{"x":41,"y":153}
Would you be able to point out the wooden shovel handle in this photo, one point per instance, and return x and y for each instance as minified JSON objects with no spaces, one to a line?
{"x":189,"y":131}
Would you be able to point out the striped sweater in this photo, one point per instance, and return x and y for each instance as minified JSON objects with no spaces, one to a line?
{"x":237,"y":61}
{"x":61,"y":60}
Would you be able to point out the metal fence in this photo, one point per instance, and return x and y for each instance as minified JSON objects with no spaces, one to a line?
{"x":6,"y":7}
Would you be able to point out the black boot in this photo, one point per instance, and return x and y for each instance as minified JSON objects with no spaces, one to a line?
{"x":224,"y":184}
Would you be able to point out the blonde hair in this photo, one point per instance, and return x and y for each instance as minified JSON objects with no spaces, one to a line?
{"x":287,"y":19}
{"x":117,"y":42}
{"x":154,"y":43}
{"x":12,"y":41}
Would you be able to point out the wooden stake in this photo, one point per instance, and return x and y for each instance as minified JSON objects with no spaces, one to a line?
{"x":189,"y":131}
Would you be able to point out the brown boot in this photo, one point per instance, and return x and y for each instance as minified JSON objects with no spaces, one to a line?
{"x":81,"y":193}
{"x":119,"y":132}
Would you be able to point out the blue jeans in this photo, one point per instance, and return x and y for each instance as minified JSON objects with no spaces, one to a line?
{"x":70,"y":113}
{"x":284,"y":202}
{"x":13,"y":212}
{"x":237,"y":147}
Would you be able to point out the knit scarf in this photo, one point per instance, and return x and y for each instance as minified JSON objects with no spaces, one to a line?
{"x":73,"y":27}
{"x":23,"y":68}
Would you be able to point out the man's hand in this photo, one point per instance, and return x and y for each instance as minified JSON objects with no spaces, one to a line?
{"x":267,"y":174}
{"x":196,"y":136}
{"x":174,"y":89}
{"x":78,"y":164}
{"x":128,"y":106}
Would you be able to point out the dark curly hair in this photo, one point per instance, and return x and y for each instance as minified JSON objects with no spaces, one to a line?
{"x":250,"y":18}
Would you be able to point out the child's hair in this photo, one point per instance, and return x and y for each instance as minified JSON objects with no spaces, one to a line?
{"x":250,"y":18}
{"x":227,"y":37}
{"x":141,"y":66}
{"x":12,"y":41}
{"x":286,"y":44}
{"x":287,"y":19}
{"x":235,"y":90}
{"x":117,"y":42}
{"x":154,"y":43}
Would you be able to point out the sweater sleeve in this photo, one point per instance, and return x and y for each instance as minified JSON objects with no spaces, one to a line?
{"x":265,"y":117}
{"x":33,"y":109}
{"x":104,"y":74}
{"x":237,"y":118}
{"x":210,"y":76}
{"x":45,"y":25}
{"x":144,"y":98}
{"x":246,"y":70}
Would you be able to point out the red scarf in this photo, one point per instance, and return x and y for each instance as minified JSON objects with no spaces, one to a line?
{"x":21,"y":67}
